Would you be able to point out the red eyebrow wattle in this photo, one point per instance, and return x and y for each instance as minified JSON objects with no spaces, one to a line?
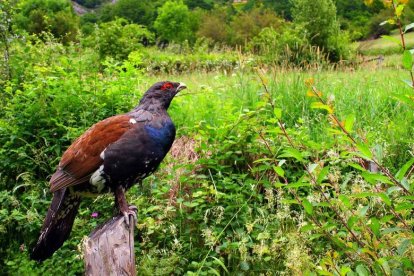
{"x":166,"y":86}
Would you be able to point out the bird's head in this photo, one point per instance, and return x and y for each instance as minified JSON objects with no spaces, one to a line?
{"x":162,"y":93}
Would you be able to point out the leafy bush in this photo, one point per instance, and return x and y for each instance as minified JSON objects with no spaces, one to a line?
{"x":246,"y":25}
{"x":322,"y":28}
{"x":119,"y":38}
{"x":136,"y":11}
{"x":288,"y":47}
{"x":214,"y":26}
{"x":54,"y":16}
{"x":173,"y":22}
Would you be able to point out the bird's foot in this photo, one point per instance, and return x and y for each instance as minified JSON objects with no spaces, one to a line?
{"x":132,"y":210}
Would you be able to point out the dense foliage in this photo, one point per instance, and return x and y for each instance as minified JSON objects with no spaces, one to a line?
{"x":285,"y":163}
{"x":219,"y":21}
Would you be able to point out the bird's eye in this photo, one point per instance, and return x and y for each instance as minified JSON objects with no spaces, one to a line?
{"x":167,"y":85}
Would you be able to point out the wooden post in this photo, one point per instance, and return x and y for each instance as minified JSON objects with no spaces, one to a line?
{"x":109,"y":249}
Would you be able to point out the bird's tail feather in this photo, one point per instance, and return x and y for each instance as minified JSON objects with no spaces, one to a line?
{"x":57,"y":225}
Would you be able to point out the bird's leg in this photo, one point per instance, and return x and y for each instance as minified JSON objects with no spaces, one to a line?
{"x":122,"y":205}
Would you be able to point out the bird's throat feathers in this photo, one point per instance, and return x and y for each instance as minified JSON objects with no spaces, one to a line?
{"x":151,"y":103}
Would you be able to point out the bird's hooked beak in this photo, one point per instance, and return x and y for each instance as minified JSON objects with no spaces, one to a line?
{"x":180,"y":87}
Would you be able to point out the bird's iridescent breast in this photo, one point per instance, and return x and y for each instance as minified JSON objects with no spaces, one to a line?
{"x":162,"y":134}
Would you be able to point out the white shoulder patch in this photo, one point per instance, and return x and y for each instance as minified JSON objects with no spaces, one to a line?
{"x":102,"y":155}
{"x":97,"y":179}
{"x":132,"y":121}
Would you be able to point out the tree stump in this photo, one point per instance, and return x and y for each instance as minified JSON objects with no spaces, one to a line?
{"x":109,"y":249}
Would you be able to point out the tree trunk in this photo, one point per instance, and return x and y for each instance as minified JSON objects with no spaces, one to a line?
{"x":109,"y":250}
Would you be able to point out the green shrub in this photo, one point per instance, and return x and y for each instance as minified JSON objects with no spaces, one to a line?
{"x":322,"y":28}
{"x":288,"y":47}
{"x":118,"y":38}
{"x":246,"y":25}
{"x":173,"y":22}
{"x":54,"y":16}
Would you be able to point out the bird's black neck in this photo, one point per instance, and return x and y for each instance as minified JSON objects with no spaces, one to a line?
{"x":153,"y":106}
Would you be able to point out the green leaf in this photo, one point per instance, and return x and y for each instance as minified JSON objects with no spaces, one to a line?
{"x":374,"y":178}
{"x":307,"y":227}
{"x":403,"y":246}
{"x":389,"y":21}
{"x":397,"y":272}
{"x":404,"y":206}
{"x":244,"y":266}
{"x":408,"y":27}
{"x":279,"y":171}
{"x":351,"y":221}
{"x":315,"y":236}
{"x":349,"y":122}
{"x":357,"y":166}
{"x":391,"y":230}
{"x":399,"y":9}
{"x":319,"y":105}
{"x":375,"y":226}
{"x":385,"y":266}
{"x":214,"y":271}
{"x":386,"y":218}
{"x":385,"y":198}
{"x":362,"y":270}
{"x":345,"y":270}
{"x":218,"y":261}
{"x":308,"y":206}
{"x":323,"y":173}
{"x":364,"y":150}
{"x":407,"y":60}
{"x":277,"y":112}
{"x":292,"y":152}
{"x":401,"y":173}
{"x":345,"y":200}
{"x":363,"y":211}
{"x":297,"y":185}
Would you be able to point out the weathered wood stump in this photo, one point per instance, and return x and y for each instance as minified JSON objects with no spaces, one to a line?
{"x":109,"y":249}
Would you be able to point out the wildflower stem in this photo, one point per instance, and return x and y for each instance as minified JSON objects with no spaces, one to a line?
{"x":376,"y":162}
{"x":403,"y":45}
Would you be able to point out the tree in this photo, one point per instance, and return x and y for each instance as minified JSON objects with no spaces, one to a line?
{"x":54,"y":16}
{"x":214,"y":26}
{"x":119,"y":38}
{"x":136,"y":11}
{"x":319,"y":20}
{"x":173,"y":22}
{"x":281,"y":7}
{"x":247,"y":25}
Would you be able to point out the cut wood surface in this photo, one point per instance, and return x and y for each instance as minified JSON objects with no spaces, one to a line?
{"x":109,"y":250}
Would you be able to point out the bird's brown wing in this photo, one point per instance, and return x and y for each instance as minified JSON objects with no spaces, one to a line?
{"x":82,"y":158}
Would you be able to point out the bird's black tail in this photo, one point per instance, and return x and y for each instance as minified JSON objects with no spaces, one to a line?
{"x":57,"y":225}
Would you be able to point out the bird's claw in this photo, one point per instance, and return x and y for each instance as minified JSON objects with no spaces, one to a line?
{"x":132,"y":210}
